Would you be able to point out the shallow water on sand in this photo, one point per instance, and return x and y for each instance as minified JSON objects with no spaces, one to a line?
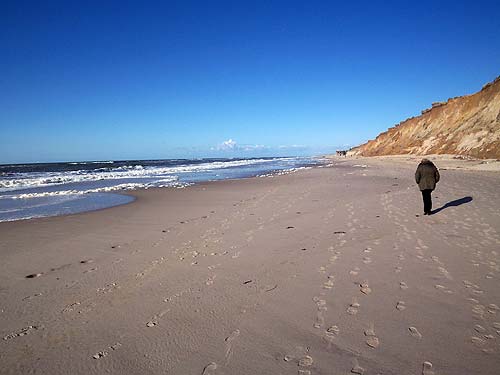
{"x":21,"y":209}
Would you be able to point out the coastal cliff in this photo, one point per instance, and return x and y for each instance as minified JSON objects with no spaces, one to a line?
{"x":466,"y":125}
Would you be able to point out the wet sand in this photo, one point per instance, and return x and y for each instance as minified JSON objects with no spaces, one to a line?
{"x":325,"y":271}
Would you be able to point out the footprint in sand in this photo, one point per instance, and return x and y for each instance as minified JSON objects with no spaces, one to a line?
{"x":427,"y":368}
{"x":305,"y":361}
{"x":155,"y":320}
{"x":468,"y":284}
{"x":229,"y":343}
{"x":478,"y":341}
{"x":479,"y":328}
{"x":101,"y":354}
{"x":415,"y":333}
{"x":355,"y":271}
{"x":320,"y":320}
{"x":320,"y":302}
{"x":330,"y":334}
{"x":372,"y":339}
{"x":401,"y":305}
{"x":210,"y":280}
{"x":333,"y":330}
{"x":367,"y":260}
{"x":33,"y":275}
{"x":297,"y":353}
{"x":104,"y":353}
{"x":334,"y":258}
{"x":445,"y":273}
{"x":478,"y":311}
{"x":329,"y":283}
{"x":22,"y":332}
{"x":398,"y":269}
{"x":70,"y":307}
{"x":357,"y":369}
{"x":365,"y":288}
{"x":229,"y":339}
{"x":443,"y":289}
{"x":209,"y":369}
{"x":353,"y":308}
{"x":403,"y":285}
{"x":493,"y":308}
{"x":32,"y":296}
{"x":373,"y":342}
{"x":108,"y":288}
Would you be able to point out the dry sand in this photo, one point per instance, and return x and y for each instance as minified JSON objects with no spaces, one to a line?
{"x":444,"y":161}
{"x":325,"y":271}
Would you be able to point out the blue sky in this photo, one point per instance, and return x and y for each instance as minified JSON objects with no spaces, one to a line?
{"x":126,"y":80}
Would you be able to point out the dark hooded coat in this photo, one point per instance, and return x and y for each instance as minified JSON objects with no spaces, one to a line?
{"x":427,"y":175}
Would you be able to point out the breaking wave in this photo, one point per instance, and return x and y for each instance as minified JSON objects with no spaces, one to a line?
{"x":18,"y":181}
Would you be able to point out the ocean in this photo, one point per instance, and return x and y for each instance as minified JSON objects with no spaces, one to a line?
{"x":51,"y":189}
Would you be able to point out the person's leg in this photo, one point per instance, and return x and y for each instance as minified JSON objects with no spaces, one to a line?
{"x":426,"y":195}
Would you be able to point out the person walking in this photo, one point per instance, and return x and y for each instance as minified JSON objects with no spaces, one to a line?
{"x":427,"y":176}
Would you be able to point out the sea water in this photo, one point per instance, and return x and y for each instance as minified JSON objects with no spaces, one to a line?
{"x":51,"y":189}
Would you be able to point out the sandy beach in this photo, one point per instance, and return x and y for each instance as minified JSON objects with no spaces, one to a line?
{"x":329,"y":270}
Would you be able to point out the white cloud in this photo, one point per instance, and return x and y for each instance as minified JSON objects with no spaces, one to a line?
{"x":232,"y":145}
{"x":253,"y":147}
{"x":291,"y":146}
{"x":228,"y":145}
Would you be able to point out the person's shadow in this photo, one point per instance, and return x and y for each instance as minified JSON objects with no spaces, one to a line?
{"x":456,"y":202}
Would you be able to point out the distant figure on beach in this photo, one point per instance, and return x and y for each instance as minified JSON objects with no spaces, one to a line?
{"x":427,"y":176}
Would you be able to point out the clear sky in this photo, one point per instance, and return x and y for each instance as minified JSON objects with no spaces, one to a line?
{"x":93,"y":80}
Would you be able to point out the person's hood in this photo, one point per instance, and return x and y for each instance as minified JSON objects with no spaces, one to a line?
{"x":425,"y":161}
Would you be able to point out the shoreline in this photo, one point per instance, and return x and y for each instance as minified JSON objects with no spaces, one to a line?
{"x":60,"y":200}
{"x":327,"y":270}
{"x":135,"y":193}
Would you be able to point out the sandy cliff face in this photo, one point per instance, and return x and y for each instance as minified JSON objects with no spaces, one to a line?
{"x":467,"y":125}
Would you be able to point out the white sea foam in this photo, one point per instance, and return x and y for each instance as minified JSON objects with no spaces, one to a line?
{"x":92,"y":162}
{"x":27,"y":217}
{"x":128,"y":186}
{"x":283,"y":172}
